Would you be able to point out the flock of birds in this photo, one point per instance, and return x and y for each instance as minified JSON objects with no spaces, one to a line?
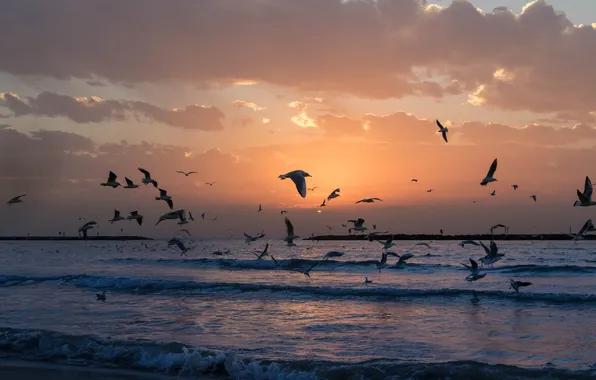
{"x":298,"y":177}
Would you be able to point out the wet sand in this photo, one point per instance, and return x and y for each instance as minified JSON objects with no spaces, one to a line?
{"x":25,"y":370}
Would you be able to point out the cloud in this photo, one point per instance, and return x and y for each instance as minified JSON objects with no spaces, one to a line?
{"x":537,"y":60}
{"x":302,"y":119}
{"x":95,"y":110}
{"x":242,"y":103}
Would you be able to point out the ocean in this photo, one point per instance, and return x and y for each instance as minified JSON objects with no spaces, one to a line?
{"x":236,"y":317}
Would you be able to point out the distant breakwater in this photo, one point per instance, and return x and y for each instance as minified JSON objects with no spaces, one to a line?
{"x":70,"y":238}
{"x":453,"y":237}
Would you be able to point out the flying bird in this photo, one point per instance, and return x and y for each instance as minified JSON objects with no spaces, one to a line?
{"x":515,"y":285}
{"x":358,"y":225}
{"x":387,"y":244}
{"x":260,"y":208}
{"x":331,"y":254}
{"x":298,"y":177}
{"x":493,"y":193}
{"x":129,"y":184}
{"x":111,"y":182}
{"x":442,"y":130}
{"x":86,"y":227}
{"x":185,"y":173}
{"x":585,"y":198}
{"x":414,"y":180}
{"x":369,"y":200}
{"x":306,"y":272}
{"x":173,"y":215}
{"x":324,"y":203}
{"x":210,"y":183}
{"x":514,"y":187}
{"x":290,"y":237}
{"x":533,"y":197}
{"x":489,"y":176}
{"x":429,"y":190}
{"x":464,"y":242}
{"x":312,"y":188}
{"x":203,"y":215}
{"x":249,"y":239}
{"x":163,"y":196}
{"x":334,"y":194}
{"x":262,"y":254}
{"x":16,"y":199}
{"x":283,"y":212}
{"x":134,"y":215}
{"x":180,"y":244}
{"x":116,"y":217}
{"x":147,"y":178}
{"x":587,"y":227}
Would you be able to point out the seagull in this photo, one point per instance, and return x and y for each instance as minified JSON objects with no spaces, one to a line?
{"x":414,"y":180}
{"x":429,"y":190}
{"x":111,"y":182}
{"x":163,"y":196}
{"x":515,"y":285}
{"x":260,"y":255}
{"x":177,"y":242}
{"x":134,"y":215}
{"x":374,"y":226}
{"x":387,"y":244}
{"x":203,"y":215}
{"x":116,"y":217}
{"x":289,"y":239}
{"x":514,"y":187}
{"x":492,"y":254}
{"x":275,"y":261}
{"x":298,"y":177}
{"x":102,"y":296}
{"x":369,"y":200}
{"x":129,"y":184}
{"x":17,"y":199}
{"x":367,"y":281}
{"x":473,"y":267}
{"x":383,"y":263}
{"x":533,"y":197}
{"x":421,"y":244}
{"x":183,"y":230}
{"x":312,"y":188}
{"x":249,"y":239}
{"x":147,"y":179}
{"x":307,"y":271}
{"x":588,"y":226}
{"x":185,"y":173}
{"x":334,"y":194}
{"x":283,"y":212}
{"x":210,"y":183}
{"x":493,"y":193}
{"x":464,"y":242}
{"x":333,"y":254}
{"x":260,"y":208}
{"x":172,"y":215}
{"x":221,"y":253}
{"x":329,"y":227}
{"x":403,"y":258}
{"x":190,"y":216}
{"x":489,"y":176}
{"x":87,"y":226}
{"x":324,"y":203}
{"x":358,"y":225}
{"x":442,"y":130}
{"x":585,"y":198}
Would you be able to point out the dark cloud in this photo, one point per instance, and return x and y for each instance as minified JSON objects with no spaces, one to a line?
{"x":94,"y":110}
{"x":537,"y":61}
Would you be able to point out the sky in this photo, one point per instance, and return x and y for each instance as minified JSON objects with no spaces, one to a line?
{"x":241,"y":91}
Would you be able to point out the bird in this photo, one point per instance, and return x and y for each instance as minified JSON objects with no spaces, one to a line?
{"x":260,"y":208}
{"x":328,"y":226}
{"x":306,"y":272}
{"x":367,"y":281}
{"x":134,"y":215}
{"x":429,"y":190}
{"x":387,"y":244}
{"x":334,"y":194}
{"x":585,"y":198}
{"x":588,"y":226}
{"x":299,"y":179}
{"x":515,"y":285}
{"x":489,"y":176}
{"x":260,"y":255}
{"x":473,"y":267}
{"x":533,"y":197}
{"x":129,"y":184}
{"x":422,"y":244}
{"x":374,"y":226}
{"x":324,"y":203}
{"x":172,"y":215}
{"x":442,"y":130}
{"x":331,"y":254}
{"x":221,"y":253}
{"x":283,"y":212}
{"x":492,"y":254}
{"x":203,"y":215}
{"x":147,"y":178}
{"x":494,"y":192}
{"x":185,"y":173}
{"x":111,"y":182}
{"x":101,"y":296}
{"x":414,"y":180}
{"x":16,"y":199}
{"x":290,"y":237}
{"x":183,"y":230}
{"x":312,"y":188}
{"x":249,"y":239}
{"x":464,"y":242}
{"x":116,"y":217}
{"x":86,"y":227}
{"x":383,"y":263}
{"x":402,"y":258}
{"x":177,"y":242}
{"x":163,"y":196}
{"x":358,"y":225}
{"x":369,"y":200}
{"x":514,"y":187}
{"x":210,"y":183}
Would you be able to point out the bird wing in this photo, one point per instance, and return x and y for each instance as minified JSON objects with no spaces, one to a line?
{"x":190,"y":216}
{"x":112,"y":177}
{"x":439,"y":124}
{"x":474,"y":265}
{"x":170,"y":203}
{"x":140,"y":221}
{"x":189,"y":173}
{"x":134,"y":213}
{"x":145,"y":172}
{"x":116,"y":214}
{"x":289,"y":227}
{"x":492,"y":170}
{"x":493,"y":248}
{"x":162,"y":193}
{"x":585,"y":227}
{"x":362,"y":200}
{"x":582,"y":197}
{"x":444,"y":136}
{"x":180,"y":171}
{"x":377,"y":199}
{"x":128,"y":181}
{"x":266,"y":248}
{"x":300,"y":183}
{"x":485,"y":248}
{"x":588,"y":188}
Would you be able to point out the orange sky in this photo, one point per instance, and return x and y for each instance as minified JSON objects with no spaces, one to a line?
{"x":242,"y":91}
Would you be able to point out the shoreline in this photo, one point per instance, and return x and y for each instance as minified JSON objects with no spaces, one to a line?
{"x":72,"y":238}
{"x":488,"y":237}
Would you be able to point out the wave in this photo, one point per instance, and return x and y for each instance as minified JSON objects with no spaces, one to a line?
{"x":184,"y":361}
{"x":291,"y":264}
{"x":176,"y":287}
